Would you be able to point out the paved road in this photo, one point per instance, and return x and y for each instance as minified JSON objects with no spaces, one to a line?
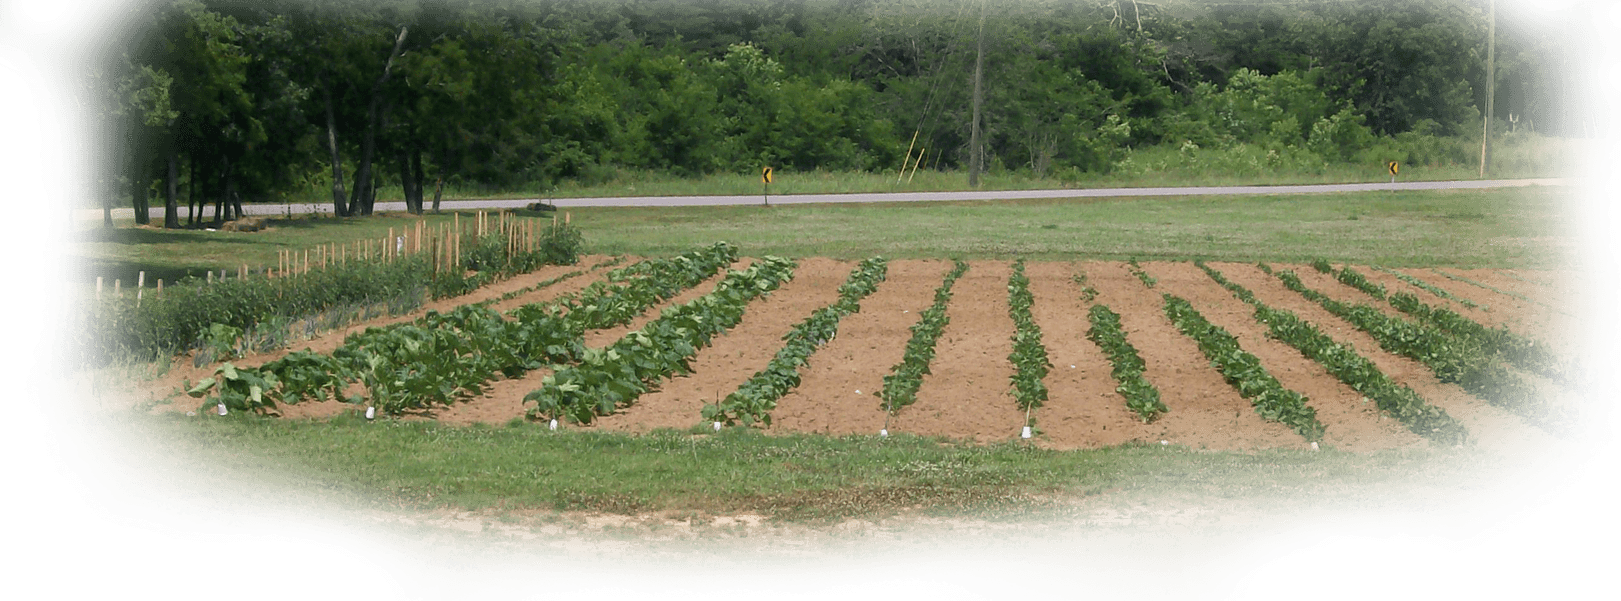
{"x":692,"y":201}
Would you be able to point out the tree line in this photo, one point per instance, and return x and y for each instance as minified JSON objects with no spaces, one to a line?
{"x":221,"y":101}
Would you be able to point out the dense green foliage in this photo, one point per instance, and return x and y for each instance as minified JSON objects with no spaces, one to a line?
{"x":264,"y":307}
{"x":1353,"y":369}
{"x":1244,"y":371}
{"x":1452,"y":359}
{"x":753,"y":401}
{"x":1141,"y":395}
{"x":224,"y":100}
{"x":904,"y":379}
{"x":1029,"y":356}
{"x":607,"y":379}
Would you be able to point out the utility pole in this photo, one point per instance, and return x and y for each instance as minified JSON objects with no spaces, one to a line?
{"x":976,"y":157}
{"x":1491,"y":91}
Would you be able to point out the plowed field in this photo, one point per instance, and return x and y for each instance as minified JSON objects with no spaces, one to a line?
{"x":968,"y":395}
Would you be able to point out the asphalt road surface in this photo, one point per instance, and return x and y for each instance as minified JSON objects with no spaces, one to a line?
{"x":693,"y":201}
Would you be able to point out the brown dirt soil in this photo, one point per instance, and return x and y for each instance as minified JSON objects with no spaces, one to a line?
{"x":1356,"y":422}
{"x":968,"y":392}
{"x":734,"y":357}
{"x":838,"y":390}
{"x":1486,"y":424}
{"x":182,"y":370}
{"x":1082,"y":408}
{"x":1205,"y":412}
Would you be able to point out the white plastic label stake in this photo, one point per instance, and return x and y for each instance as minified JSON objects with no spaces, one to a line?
{"x":717,"y":426}
{"x":222,"y":408}
{"x":371,"y":412}
{"x":554,"y":424}
{"x":883,"y":433}
{"x":1026,"y":433}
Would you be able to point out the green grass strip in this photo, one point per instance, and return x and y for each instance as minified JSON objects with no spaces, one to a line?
{"x":1243,"y":371}
{"x":1453,"y":360}
{"x":1141,"y":395}
{"x":1029,"y":356}
{"x":754,"y":400}
{"x":1353,"y":369}
{"x":1428,"y":287}
{"x":900,"y":386}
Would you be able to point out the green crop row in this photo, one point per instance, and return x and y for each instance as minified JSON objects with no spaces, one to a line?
{"x":606,"y":380}
{"x":1459,"y":278}
{"x":1519,"y":351}
{"x":165,"y":324}
{"x":900,"y":386}
{"x":1453,"y":360}
{"x":754,"y":400}
{"x":1351,"y":368}
{"x":1029,"y":356}
{"x":439,"y":357}
{"x":1137,"y":270}
{"x":1432,"y":289}
{"x":1140,"y":394}
{"x":1244,"y":372}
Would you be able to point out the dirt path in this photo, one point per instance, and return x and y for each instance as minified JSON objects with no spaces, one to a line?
{"x":838,"y":390}
{"x":1082,"y":408}
{"x":734,"y":357}
{"x":1355,"y":420}
{"x":1204,"y":411}
{"x":967,"y":392}
{"x":1486,"y":424}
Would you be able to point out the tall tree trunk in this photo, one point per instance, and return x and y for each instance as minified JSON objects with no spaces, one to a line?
{"x":339,"y":207}
{"x":369,"y":147}
{"x":416,"y":176}
{"x":171,"y":213}
{"x":137,"y":189}
{"x":194,"y":206}
{"x":219,"y":194}
{"x":405,"y":178}
{"x":232,"y":198}
{"x":976,"y":153}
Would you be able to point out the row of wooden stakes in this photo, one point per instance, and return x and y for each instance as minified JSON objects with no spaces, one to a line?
{"x":444,"y":242}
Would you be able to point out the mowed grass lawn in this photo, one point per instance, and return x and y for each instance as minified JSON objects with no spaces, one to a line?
{"x":1518,"y":228}
{"x":1509,"y":228}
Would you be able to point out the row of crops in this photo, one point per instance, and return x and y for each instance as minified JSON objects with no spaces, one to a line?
{"x":440,"y":359}
{"x":257,"y":313}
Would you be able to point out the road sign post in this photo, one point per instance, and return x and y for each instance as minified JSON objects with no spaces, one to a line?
{"x":765,"y":184}
{"x":1393,"y":168}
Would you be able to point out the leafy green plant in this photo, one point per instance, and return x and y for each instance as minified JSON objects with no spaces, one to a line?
{"x":237,"y":389}
{"x":1452,"y":359}
{"x":1432,"y":289}
{"x":754,"y":399}
{"x":1351,"y":368}
{"x":1137,"y":270}
{"x":1128,"y":366}
{"x":1029,"y":356}
{"x":900,"y":386}
{"x":1244,"y":372}
{"x":610,"y":378}
{"x":1088,"y":293}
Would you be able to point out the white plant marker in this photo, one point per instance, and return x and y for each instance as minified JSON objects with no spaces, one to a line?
{"x":371,"y":412}
{"x":717,"y":426}
{"x":1026,"y":433}
{"x":1314,"y":446}
{"x":883,"y":433}
{"x":554,"y":424}
{"x":222,"y":408}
